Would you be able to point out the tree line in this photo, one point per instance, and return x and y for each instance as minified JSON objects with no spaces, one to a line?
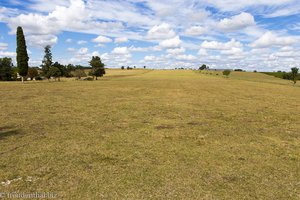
{"x":293,"y":75}
{"x":49,"y":69}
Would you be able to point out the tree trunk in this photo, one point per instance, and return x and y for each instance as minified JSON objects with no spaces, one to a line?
{"x":22,"y":79}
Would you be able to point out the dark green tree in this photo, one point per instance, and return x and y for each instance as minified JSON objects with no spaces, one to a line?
{"x":32,"y":73}
{"x":294,"y":74}
{"x":98,"y":69}
{"x":6,"y":69}
{"x":47,"y":60}
{"x":203,"y":67}
{"x":70,"y":67}
{"x":22,"y":56}
{"x":62,"y":68}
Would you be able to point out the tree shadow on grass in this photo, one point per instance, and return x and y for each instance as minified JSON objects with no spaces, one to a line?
{"x":7,"y":131}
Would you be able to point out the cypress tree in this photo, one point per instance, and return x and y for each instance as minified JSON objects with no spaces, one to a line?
{"x":294,"y":74}
{"x":47,"y":61}
{"x":22,"y":56}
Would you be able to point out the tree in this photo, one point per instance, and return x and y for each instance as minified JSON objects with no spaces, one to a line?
{"x":122,"y":67}
{"x":238,"y":70}
{"x":32,"y":73}
{"x":47,"y":60}
{"x":294,"y":74}
{"x":226,"y":72}
{"x":97,"y":67}
{"x":62,"y":68}
{"x":70,"y":67}
{"x":53,"y":72}
{"x":144,"y":67}
{"x":79,"y":73}
{"x":203,"y":67}
{"x":5,"y":69}
{"x":22,"y":56}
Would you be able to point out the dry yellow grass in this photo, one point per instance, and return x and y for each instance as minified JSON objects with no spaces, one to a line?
{"x":158,"y":134}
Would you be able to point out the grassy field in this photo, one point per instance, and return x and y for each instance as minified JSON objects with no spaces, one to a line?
{"x":152,"y":134}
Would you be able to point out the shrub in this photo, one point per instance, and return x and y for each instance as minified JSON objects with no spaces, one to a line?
{"x":78,"y":73}
{"x":32,"y":73}
{"x":6,"y":70}
{"x":226,"y":72}
{"x":53,"y":72}
{"x":88,"y":79}
{"x":38,"y":78}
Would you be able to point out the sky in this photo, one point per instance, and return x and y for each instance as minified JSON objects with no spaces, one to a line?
{"x":261,"y":35}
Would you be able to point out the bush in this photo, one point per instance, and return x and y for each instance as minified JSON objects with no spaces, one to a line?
{"x":78,"y":73}
{"x":53,"y":72}
{"x":38,"y":78}
{"x":226,"y":72}
{"x":6,"y":69}
{"x":32,"y":73}
{"x":88,"y":79}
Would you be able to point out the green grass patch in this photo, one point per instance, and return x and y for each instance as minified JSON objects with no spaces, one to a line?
{"x":152,"y":134}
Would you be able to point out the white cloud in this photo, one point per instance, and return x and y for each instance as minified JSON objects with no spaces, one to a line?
{"x":235,"y":5}
{"x":170,"y":43}
{"x":237,"y":22}
{"x":202,"y":52}
{"x":149,"y":58}
{"x":70,"y":49}
{"x":3,"y":46}
{"x":144,"y":49}
{"x":120,"y":50}
{"x":102,"y":39}
{"x":270,"y":39}
{"x":233,"y":51}
{"x":74,"y":17}
{"x":81,"y":42}
{"x":186,"y":57}
{"x":156,"y":26}
{"x":162,"y":31}
{"x":7,"y":54}
{"x":221,"y":46}
{"x":176,"y":51}
{"x":196,"y":30}
{"x":41,"y":40}
{"x":82,"y":51}
{"x":121,"y":39}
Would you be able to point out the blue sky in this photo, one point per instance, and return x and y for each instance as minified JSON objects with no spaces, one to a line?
{"x":253,"y":35}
